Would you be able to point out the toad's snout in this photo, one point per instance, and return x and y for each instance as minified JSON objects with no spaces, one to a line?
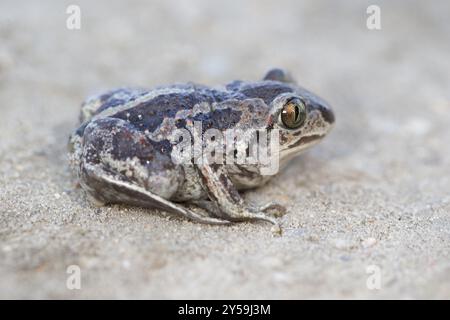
{"x":324,"y":109}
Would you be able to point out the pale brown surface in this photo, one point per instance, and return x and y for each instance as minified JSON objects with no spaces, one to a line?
{"x":376,"y":192}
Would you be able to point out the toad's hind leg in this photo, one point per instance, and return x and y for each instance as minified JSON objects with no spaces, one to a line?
{"x":109,"y":174}
{"x":125,"y":192}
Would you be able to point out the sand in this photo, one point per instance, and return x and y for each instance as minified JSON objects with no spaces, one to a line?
{"x":369,"y":208}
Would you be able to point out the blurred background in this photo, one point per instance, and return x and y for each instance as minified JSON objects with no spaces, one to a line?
{"x":376,"y":192}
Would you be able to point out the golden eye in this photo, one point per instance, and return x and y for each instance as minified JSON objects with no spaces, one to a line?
{"x":293,"y":114}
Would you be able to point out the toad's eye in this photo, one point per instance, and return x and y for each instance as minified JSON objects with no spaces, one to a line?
{"x":293,"y":114}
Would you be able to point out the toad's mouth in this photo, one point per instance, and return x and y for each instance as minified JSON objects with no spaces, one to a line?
{"x":300,"y":145}
{"x":306,"y":140}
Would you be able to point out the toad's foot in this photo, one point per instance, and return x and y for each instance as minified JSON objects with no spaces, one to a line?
{"x":275,"y":209}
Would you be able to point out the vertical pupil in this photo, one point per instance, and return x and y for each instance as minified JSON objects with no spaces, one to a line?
{"x":296,"y":113}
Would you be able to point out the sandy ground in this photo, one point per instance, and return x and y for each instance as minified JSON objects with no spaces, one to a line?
{"x":373,"y":197}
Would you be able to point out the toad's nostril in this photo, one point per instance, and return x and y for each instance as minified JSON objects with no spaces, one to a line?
{"x":327,"y":114}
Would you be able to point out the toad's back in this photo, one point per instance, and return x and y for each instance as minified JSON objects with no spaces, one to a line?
{"x":136,"y":104}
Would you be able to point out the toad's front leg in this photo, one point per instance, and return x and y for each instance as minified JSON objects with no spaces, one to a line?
{"x":232,"y":207}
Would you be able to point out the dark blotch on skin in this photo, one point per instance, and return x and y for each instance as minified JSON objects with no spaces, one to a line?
{"x":219,"y":119}
{"x":267,"y":90}
{"x":150,"y":114}
{"x":93,"y":146}
{"x":180,"y":123}
{"x":127,"y":142}
{"x":109,"y":101}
